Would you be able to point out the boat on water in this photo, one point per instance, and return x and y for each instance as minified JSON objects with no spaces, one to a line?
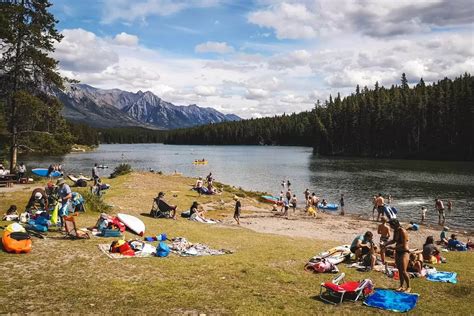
{"x":200,"y":162}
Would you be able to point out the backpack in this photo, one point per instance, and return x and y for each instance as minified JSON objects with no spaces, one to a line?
{"x":162,"y":250}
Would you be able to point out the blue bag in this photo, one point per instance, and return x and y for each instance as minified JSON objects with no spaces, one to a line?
{"x":162,"y":250}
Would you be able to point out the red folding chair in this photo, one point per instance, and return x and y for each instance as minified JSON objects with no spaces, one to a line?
{"x":354,"y":289}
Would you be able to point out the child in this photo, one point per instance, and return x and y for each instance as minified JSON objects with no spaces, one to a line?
{"x":274,"y":209}
{"x":413,"y":226}
{"x":423,"y":213}
{"x":293,"y":203}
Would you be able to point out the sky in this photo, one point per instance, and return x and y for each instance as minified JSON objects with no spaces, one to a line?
{"x":263,"y":57}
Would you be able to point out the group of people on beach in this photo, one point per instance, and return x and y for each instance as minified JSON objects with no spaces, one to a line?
{"x":406,"y":260}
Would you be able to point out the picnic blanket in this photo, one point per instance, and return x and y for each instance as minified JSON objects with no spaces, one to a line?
{"x":392,"y":300}
{"x":184,"y":248}
{"x":138,"y":254}
{"x":440,"y":276}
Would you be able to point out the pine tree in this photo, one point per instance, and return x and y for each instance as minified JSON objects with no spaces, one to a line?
{"x":27,"y":35}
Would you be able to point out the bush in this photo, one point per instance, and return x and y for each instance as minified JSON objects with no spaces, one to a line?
{"x":94,"y":203}
{"x":120,"y":170}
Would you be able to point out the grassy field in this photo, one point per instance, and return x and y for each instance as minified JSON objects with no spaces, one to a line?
{"x":264,"y":276}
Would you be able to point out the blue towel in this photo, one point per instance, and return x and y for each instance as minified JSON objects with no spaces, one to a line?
{"x":449,"y":277}
{"x":392,"y":300}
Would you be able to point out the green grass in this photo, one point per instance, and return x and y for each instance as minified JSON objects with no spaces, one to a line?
{"x":264,"y":276}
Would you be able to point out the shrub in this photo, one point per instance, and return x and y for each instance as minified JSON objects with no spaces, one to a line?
{"x":120,"y":170}
{"x":94,"y":203}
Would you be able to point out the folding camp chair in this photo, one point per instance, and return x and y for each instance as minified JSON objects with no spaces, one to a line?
{"x":354,"y":289}
{"x":160,"y":209}
{"x":71,"y":229}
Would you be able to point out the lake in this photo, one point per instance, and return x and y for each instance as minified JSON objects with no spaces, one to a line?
{"x":411,"y":183}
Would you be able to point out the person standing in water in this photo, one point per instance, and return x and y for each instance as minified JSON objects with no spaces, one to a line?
{"x":402,"y":253}
{"x":440,"y":208}
{"x":449,"y":205}
{"x":341,"y":203}
{"x":423,"y":213}
{"x":293,"y":203}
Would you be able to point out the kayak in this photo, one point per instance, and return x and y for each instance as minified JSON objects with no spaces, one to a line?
{"x":200,"y":162}
{"x":16,"y":240}
{"x":270,"y":199}
{"x":334,"y":255}
{"x":43,"y":172}
{"x":133,"y":223}
{"x":81,"y":177}
{"x":329,"y":207}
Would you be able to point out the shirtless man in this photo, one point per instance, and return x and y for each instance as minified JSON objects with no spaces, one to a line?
{"x":440,"y":208}
{"x":384,"y":232}
{"x":402,"y":253}
{"x":379,"y":202}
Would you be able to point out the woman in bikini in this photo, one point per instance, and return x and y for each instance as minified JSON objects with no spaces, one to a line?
{"x":402,"y":253}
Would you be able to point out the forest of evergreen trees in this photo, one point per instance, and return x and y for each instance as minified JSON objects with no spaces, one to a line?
{"x":130,"y":135}
{"x":425,"y":121}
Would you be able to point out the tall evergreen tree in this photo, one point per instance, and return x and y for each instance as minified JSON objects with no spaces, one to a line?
{"x":27,"y":36}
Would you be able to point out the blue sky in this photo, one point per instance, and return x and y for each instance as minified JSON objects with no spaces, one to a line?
{"x":262,"y":57}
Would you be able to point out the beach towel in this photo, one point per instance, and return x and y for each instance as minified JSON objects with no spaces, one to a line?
{"x":183,"y":248}
{"x":392,"y":300}
{"x":440,"y":276}
{"x":138,"y":254}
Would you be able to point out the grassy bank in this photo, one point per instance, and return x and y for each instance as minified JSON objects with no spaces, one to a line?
{"x":265,"y":274}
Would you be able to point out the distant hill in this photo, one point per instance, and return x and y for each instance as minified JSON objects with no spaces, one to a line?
{"x":118,"y":108}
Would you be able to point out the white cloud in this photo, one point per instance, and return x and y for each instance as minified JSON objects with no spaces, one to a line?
{"x":126,"y":39}
{"x":286,"y":78}
{"x":310,"y":19}
{"x":205,"y":90}
{"x":214,"y":47}
{"x":256,"y":94}
{"x":83,"y":51}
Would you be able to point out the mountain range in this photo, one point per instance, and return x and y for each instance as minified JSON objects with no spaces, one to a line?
{"x":119,"y":108}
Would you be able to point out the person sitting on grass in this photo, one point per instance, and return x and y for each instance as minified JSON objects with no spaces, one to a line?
{"x":443,"y":236}
{"x":196,"y":210}
{"x":371,"y":257}
{"x":430,"y":253}
{"x":38,"y":198}
{"x":415,"y":263}
{"x":361,"y":245}
{"x":163,"y":206}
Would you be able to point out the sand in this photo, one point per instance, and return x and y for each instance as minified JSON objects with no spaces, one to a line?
{"x":327,"y":226}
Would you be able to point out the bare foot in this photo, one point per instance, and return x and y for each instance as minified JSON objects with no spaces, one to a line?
{"x":407,"y":290}
{"x":400,"y":289}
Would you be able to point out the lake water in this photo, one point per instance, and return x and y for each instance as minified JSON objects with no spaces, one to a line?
{"x":411,"y":183}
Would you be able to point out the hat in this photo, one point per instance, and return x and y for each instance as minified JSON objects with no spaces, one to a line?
{"x":38,"y":195}
{"x":236,"y":197}
{"x":445,"y":228}
{"x":60,"y":181}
